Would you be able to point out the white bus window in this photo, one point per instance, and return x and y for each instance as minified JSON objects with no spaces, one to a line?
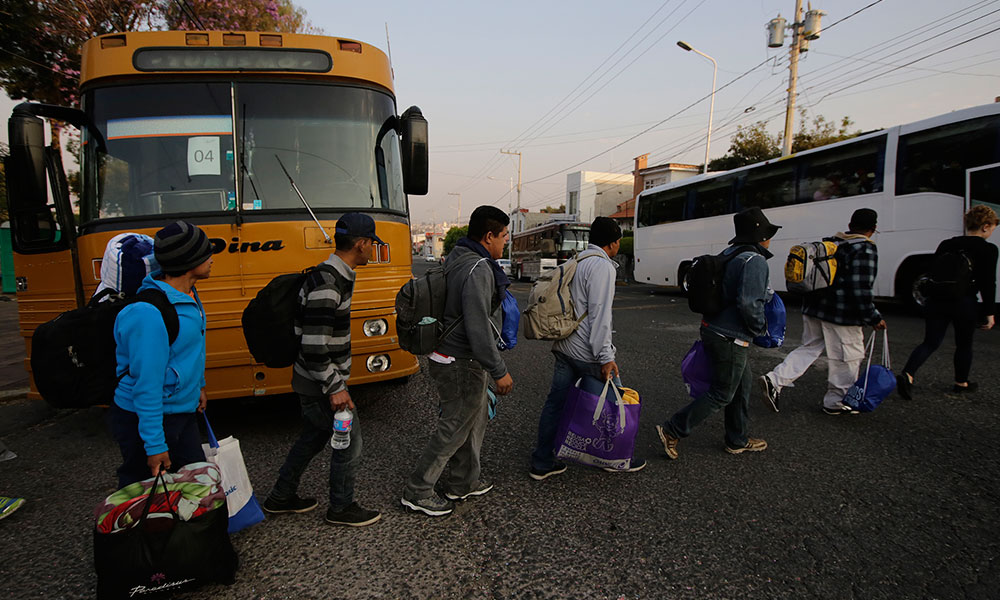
{"x":662,"y":207}
{"x":935,"y":160}
{"x":714,"y":197}
{"x":849,"y":170}
{"x":768,"y":187}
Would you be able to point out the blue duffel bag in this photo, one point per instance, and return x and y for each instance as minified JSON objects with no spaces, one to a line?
{"x":876,"y":383}
{"x":775,"y":317}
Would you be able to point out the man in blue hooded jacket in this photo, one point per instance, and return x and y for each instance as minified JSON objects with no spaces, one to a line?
{"x":727,"y":336}
{"x":153,"y":417}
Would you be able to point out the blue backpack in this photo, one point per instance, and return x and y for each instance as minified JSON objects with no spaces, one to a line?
{"x":511,"y":317}
{"x":774,"y":316}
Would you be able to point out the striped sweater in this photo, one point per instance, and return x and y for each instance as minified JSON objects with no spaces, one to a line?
{"x":324,"y":362}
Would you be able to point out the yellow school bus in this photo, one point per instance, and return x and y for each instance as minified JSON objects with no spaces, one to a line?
{"x":261,"y":139}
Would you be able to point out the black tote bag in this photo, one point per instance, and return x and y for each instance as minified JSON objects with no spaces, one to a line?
{"x":157,"y":557}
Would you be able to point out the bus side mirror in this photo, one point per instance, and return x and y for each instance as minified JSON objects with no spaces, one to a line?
{"x":413,"y":131}
{"x":33,"y":224}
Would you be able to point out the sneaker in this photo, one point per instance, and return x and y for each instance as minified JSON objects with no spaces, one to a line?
{"x":9,"y":505}
{"x":481,"y":488}
{"x":839,"y":409}
{"x":637,"y":464}
{"x":753,"y":445}
{"x":669,"y":442}
{"x":768,"y":391}
{"x":540,"y":474}
{"x":353,"y":515}
{"x":291,"y":505}
{"x":904,"y":386}
{"x":968,"y":388}
{"x":435,"y":505}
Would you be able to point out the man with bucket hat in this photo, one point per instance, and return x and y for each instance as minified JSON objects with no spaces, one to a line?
{"x":726,"y":336}
{"x":320,"y":376}
{"x":832,"y":321}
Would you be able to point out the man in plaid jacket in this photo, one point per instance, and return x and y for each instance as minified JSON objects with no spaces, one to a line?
{"x":833,"y":321}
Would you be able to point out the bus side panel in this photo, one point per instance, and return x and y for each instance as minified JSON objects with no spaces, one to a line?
{"x":49,"y":292}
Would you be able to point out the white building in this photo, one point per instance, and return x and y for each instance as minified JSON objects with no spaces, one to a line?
{"x":591,"y":194}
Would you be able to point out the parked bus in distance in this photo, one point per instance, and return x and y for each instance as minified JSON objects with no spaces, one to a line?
{"x":196,"y":126}
{"x":921,"y":178}
{"x":541,"y":248}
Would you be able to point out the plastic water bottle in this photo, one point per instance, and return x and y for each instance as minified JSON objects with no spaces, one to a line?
{"x":341,"y":429}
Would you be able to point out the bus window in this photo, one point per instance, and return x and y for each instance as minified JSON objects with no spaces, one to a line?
{"x":849,"y":170}
{"x":768,"y":187}
{"x":662,"y":207}
{"x":935,"y":160}
{"x":714,"y":197}
{"x":574,"y":240}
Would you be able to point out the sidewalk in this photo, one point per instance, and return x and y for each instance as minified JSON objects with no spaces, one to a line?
{"x":13,"y":377}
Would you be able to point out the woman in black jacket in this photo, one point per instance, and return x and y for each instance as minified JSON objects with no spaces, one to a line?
{"x":961,"y":311}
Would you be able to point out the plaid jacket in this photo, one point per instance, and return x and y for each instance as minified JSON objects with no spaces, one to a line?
{"x":324,"y":361}
{"x":851,"y":299}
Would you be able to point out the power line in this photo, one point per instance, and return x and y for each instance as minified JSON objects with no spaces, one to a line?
{"x":860,"y":10}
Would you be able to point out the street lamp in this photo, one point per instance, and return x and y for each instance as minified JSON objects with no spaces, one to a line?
{"x":711,"y":108}
{"x":459,"y":194}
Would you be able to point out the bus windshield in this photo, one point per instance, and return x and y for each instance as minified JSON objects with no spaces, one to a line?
{"x":574,"y":240}
{"x":171,"y":149}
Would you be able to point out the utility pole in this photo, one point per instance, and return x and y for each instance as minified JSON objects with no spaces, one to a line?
{"x":803,"y":30}
{"x":518,"y":186}
{"x":459,"y":194}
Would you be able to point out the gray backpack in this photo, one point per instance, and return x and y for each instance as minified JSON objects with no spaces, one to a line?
{"x":550,"y":315}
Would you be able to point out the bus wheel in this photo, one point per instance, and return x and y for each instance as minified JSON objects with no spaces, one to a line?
{"x":682,"y":276}
{"x":909,"y":281}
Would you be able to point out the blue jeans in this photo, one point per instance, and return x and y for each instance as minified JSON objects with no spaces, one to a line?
{"x":565,"y":374}
{"x":729,"y":390}
{"x":180,"y":431}
{"x":317,"y":427}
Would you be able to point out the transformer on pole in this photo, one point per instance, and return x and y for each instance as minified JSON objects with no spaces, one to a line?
{"x":803,"y":30}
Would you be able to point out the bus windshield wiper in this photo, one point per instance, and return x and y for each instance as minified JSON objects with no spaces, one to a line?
{"x":243,"y":156}
{"x":302,"y":198}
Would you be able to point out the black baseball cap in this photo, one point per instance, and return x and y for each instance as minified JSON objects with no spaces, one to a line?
{"x":357,"y":224}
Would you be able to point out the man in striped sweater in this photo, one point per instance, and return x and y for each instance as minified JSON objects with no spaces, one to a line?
{"x":320,"y":378}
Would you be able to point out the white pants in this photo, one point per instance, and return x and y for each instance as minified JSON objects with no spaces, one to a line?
{"x":845,"y":349}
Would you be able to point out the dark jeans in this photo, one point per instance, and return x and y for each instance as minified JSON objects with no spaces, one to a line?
{"x":963,"y":315}
{"x":458,"y":439}
{"x":180,"y":430}
{"x":730,"y":389}
{"x":564,"y":375}
{"x":317,"y":428}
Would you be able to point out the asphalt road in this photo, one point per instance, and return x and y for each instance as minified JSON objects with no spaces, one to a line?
{"x":900,"y":503}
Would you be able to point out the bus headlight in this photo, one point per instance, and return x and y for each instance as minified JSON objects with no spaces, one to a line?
{"x":377,"y":363}
{"x":375,"y":327}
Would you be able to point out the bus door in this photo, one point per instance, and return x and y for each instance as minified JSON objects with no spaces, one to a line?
{"x":982,"y":186}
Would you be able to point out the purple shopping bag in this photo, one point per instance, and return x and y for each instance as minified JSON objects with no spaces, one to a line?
{"x":598,"y":428}
{"x":696,"y":369}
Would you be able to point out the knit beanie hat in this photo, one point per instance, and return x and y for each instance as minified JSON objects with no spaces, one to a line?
{"x":604,"y":231}
{"x":180,"y":247}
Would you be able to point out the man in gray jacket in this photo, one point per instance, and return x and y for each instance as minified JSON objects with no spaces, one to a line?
{"x":464,"y":363}
{"x":588,"y":350}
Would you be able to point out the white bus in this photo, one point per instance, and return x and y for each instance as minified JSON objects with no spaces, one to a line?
{"x":542,"y":248}
{"x":920,"y":178}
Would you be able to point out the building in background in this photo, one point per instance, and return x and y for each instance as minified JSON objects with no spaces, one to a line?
{"x":590,"y":194}
{"x":644,"y":177}
{"x":433,"y":244}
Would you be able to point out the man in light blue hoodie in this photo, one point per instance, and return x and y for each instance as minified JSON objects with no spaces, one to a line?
{"x":162,"y":383}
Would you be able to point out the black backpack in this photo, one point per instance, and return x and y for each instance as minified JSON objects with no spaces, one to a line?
{"x":73,"y":358}
{"x":420,"y":312}
{"x":704,"y":282}
{"x":949,"y":277}
{"x":269,"y":319}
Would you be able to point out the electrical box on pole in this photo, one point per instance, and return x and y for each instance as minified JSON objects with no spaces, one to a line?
{"x":776,"y":32}
{"x":811,"y":28}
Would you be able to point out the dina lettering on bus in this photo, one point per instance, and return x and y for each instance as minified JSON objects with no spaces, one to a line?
{"x":219,"y":245}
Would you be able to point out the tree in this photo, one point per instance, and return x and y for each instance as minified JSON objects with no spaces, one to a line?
{"x":753,"y":144}
{"x":242,"y":15}
{"x":554,"y":211}
{"x":454,"y":234}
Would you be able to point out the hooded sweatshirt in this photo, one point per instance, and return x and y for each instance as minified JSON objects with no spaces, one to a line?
{"x":160,"y":378}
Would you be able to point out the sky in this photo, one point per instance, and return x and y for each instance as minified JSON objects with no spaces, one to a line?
{"x":575,"y":85}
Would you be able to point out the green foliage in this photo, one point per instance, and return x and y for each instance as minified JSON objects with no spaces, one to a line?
{"x":627,"y":247}
{"x":752,"y":144}
{"x":553,"y":210}
{"x":454,"y":234}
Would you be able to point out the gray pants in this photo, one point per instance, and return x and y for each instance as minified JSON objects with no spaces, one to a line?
{"x":460,"y":428}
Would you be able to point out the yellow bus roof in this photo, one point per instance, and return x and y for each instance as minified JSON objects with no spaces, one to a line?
{"x":111,"y":57}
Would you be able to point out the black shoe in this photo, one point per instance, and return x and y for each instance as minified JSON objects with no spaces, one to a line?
{"x":353,"y":515}
{"x":540,"y":474}
{"x":768,"y":391}
{"x":434,"y":506}
{"x":637,"y":464}
{"x":291,"y":505}
{"x":478,"y":490}
{"x":904,"y":386}
{"x":968,"y":388}
{"x":839,"y":409}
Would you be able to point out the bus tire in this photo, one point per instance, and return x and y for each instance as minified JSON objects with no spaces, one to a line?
{"x":909,"y":273}
{"x":682,"y":272}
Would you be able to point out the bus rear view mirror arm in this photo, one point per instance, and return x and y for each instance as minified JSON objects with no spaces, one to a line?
{"x":413,"y":131}
{"x":73,"y":116}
